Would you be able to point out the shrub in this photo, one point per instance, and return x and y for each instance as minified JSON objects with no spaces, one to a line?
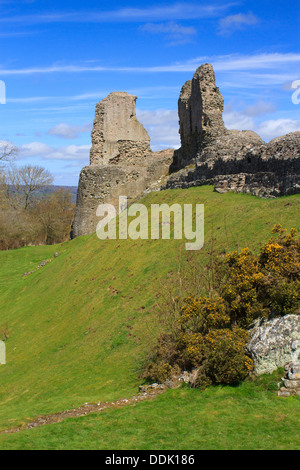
{"x":263,"y":285}
{"x":242,"y":289}
{"x":227,"y":362}
{"x":210,"y":332}
{"x":203,"y":340}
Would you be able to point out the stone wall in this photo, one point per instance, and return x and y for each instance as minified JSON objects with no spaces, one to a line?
{"x":231,"y":160}
{"x":99,"y":184}
{"x":291,"y":380}
{"x":117,"y":134}
{"x":121,"y":161}
{"x":265,"y":170}
{"x":200,"y":108}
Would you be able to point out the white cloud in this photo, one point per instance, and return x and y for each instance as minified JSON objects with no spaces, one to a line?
{"x":259,"y":108}
{"x":76,"y":153}
{"x":176,"y":11}
{"x":174,"y":32}
{"x":69,"y":132}
{"x":30,"y":99}
{"x":277,"y":127}
{"x":34,"y":149}
{"x":162,"y":126}
{"x":267,"y":129}
{"x":243,"y":118}
{"x":273,"y":63}
{"x":157,"y":117}
{"x":237,"y":120}
{"x":236,"y":22}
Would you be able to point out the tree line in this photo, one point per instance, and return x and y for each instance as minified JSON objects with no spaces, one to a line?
{"x":30,"y":215}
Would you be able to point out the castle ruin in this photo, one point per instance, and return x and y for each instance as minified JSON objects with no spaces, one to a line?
{"x":123,"y":164}
{"x":121,"y":161}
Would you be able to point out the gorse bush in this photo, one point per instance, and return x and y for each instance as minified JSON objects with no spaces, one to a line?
{"x":209,"y":333}
{"x":203,"y":340}
{"x":264,"y":285}
{"x":240,"y":287}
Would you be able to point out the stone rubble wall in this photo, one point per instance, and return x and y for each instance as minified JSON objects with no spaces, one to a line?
{"x":231,"y":160}
{"x":291,"y":380}
{"x":200,"y":108}
{"x":103,"y":184}
{"x":117,"y":134}
{"x":265,"y":170}
{"x":122,"y":162}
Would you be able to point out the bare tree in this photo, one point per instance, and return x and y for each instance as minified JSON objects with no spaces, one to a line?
{"x":55,"y":214}
{"x":23,"y":183}
{"x":7,"y":151}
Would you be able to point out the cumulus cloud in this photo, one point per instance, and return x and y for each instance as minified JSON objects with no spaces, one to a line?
{"x":237,"y":22}
{"x":66,"y":131}
{"x":34,"y":149}
{"x":162,"y":126}
{"x":234,"y":119}
{"x":76,"y":153}
{"x":277,"y":127}
{"x":267,"y":129}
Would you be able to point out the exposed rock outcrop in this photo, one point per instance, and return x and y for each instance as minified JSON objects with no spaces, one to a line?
{"x":274,"y":343}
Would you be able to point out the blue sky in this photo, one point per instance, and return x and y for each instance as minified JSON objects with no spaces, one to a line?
{"x":59,"y":58}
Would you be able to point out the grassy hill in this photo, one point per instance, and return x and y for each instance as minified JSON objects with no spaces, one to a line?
{"x":79,"y":326}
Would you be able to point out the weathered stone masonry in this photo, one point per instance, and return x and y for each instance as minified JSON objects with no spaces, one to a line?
{"x":230,"y":160}
{"x":122,"y":162}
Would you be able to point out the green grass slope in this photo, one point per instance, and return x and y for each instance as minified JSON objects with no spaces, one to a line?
{"x":248,"y":417}
{"x":77,"y":326}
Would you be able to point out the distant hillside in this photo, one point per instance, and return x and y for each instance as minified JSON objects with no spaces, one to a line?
{"x":50,"y":189}
{"x":53,"y":188}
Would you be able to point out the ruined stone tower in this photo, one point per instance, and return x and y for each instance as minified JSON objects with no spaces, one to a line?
{"x":123,"y":164}
{"x":117,"y":135}
{"x":200,"y":109}
{"x":231,"y":160}
{"x":121,"y":161}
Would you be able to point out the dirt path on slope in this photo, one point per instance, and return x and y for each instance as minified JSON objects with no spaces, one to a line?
{"x":86,"y":409}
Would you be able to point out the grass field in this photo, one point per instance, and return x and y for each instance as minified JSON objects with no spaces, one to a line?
{"x":79,"y":327}
{"x":248,"y":417}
